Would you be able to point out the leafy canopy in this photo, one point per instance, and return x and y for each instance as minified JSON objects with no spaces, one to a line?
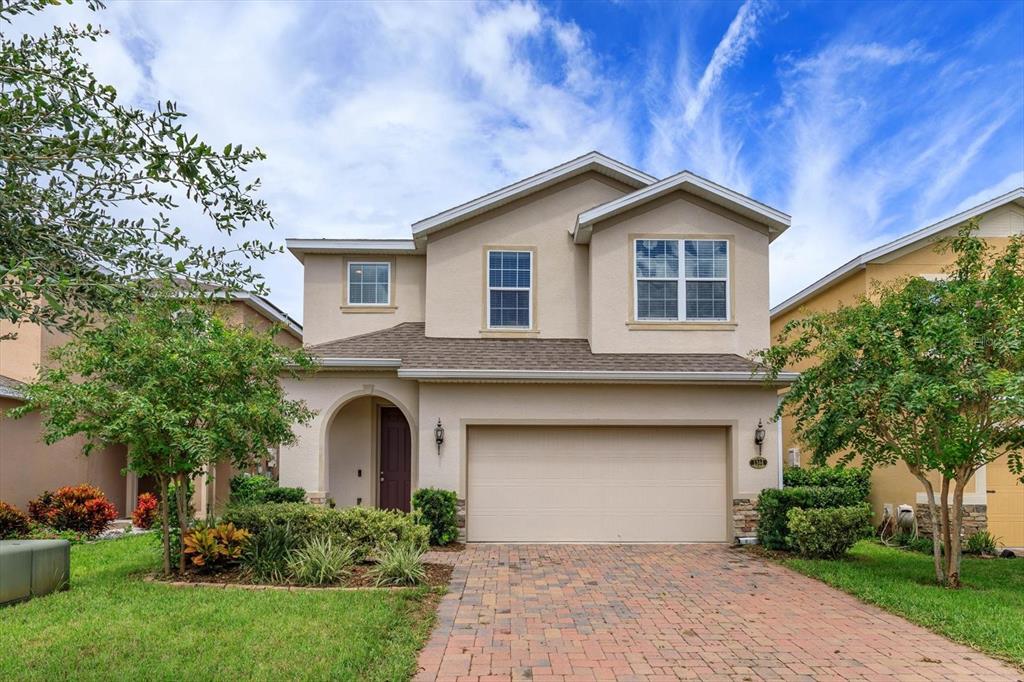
{"x":930,"y":373}
{"x":93,"y":190}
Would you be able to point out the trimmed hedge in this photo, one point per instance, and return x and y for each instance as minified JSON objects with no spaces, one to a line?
{"x":827,"y":477}
{"x":256,"y":488}
{"x":773,"y":506}
{"x":363,"y":529}
{"x":437,"y":510}
{"x":828,"y":533}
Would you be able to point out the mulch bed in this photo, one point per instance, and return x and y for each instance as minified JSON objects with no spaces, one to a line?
{"x":453,"y":547}
{"x":438,"y":575}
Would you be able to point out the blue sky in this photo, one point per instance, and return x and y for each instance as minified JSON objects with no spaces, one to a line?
{"x":862,"y":120}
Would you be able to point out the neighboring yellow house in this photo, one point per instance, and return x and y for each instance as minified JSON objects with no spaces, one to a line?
{"x":996,"y":499}
{"x":28,"y":466}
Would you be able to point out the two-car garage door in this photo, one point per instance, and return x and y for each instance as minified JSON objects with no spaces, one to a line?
{"x":596,"y":484}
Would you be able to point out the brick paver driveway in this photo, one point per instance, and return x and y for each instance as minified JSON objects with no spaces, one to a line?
{"x":666,"y":612}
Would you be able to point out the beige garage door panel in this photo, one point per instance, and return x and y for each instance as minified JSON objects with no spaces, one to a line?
{"x":596,"y":484}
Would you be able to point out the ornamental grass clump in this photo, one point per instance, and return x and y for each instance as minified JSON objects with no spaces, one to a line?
{"x":399,"y":564}
{"x":321,"y":561}
{"x":265,"y":558}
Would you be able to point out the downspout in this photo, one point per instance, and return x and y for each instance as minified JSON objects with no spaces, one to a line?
{"x":778,"y":426}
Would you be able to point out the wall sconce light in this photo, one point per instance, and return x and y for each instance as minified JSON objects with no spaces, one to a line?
{"x":759,"y":434}
{"x":439,"y":436}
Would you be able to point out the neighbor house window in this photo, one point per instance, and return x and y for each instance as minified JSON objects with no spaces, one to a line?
{"x":369,"y":283}
{"x":509,"y":289}
{"x":682,"y":279}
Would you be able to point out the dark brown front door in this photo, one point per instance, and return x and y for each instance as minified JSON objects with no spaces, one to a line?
{"x":395,"y":460}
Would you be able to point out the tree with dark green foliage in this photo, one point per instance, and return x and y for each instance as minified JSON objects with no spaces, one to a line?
{"x":92,"y":189}
{"x":178,"y":386}
{"x":929,"y":373}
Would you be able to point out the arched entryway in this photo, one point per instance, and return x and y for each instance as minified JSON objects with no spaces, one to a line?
{"x":369,"y":455}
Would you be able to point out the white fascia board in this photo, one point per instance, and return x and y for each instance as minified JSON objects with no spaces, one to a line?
{"x":775,"y":220}
{"x":840,"y":273}
{"x":595,"y":375}
{"x":592,"y":161}
{"x":300,"y":247}
{"x":358,"y":362}
{"x":6,"y":392}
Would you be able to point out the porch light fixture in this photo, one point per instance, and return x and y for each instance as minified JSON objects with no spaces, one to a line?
{"x":759,"y":436}
{"x":439,"y":436}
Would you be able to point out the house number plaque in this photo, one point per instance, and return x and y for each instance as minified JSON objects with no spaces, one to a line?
{"x":758,"y":462}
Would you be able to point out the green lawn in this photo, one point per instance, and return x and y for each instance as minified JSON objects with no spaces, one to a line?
{"x":985,"y":614}
{"x":113,"y":626}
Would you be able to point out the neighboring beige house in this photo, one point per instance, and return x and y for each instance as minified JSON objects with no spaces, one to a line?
{"x":579,"y":337}
{"x":28,"y":466}
{"x":996,"y":500}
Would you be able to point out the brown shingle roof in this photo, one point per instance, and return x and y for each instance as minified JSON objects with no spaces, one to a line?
{"x":409,"y":343}
{"x":11,"y":388}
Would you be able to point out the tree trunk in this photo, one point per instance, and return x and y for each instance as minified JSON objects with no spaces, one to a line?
{"x":933,"y":511}
{"x":165,"y":522}
{"x":953,"y":549}
{"x":181,"y":493}
{"x":944,"y":513}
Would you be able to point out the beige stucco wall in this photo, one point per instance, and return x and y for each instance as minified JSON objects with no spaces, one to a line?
{"x":20,"y":355}
{"x":678,"y":216}
{"x":456,"y":290}
{"x":28,"y":466}
{"x":461,"y":405}
{"x":327,"y":317}
{"x":350,"y":449}
{"x":306,"y":462}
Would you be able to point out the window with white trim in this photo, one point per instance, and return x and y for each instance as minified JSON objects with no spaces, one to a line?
{"x":703,"y":280}
{"x":509,"y":289}
{"x":369,"y":283}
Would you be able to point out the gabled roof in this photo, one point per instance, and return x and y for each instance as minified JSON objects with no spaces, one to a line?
{"x":406,"y":349}
{"x":930,"y":232}
{"x":593,"y":161}
{"x":300,"y":247}
{"x":775,"y":220}
{"x":11,"y":388}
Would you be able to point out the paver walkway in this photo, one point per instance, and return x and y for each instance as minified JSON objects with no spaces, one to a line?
{"x":667,"y":612}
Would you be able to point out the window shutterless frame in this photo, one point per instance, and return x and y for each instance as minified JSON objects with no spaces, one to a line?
{"x":505,"y":279}
{"x":363,"y":284}
{"x":696,"y":263}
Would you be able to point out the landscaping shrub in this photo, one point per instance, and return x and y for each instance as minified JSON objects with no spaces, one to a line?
{"x":398,"y":564}
{"x":14,"y":523}
{"x":773,"y":506}
{"x":38,"y":531}
{"x":981,"y":542}
{"x":215,"y":546}
{"x":257,"y":489}
{"x":362,"y":528}
{"x":320,"y":561}
{"x":147,"y":511}
{"x":828,"y":533}
{"x":82,"y":508}
{"x":437,"y":510}
{"x":265,"y":557}
{"x":826,"y":476}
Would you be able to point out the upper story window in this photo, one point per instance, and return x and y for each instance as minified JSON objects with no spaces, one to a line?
{"x":509,"y":289}
{"x":369,"y":283}
{"x":703,"y":280}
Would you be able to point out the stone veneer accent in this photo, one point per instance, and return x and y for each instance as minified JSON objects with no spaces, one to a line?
{"x":744,"y":518}
{"x":315,"y":497}
{"x":460,"y":518}
{"x":975,"y":519}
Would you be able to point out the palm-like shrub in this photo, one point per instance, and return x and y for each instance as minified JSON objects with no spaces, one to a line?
{"x":265,"y":558}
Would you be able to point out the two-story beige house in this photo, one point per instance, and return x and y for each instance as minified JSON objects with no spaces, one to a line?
{"x":567,"y":353}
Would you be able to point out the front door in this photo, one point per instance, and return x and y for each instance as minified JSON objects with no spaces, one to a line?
{"x":395,"y":460}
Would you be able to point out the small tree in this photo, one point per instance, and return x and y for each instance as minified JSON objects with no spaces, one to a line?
{"x":930,"y":373}
{"x":92,"y":188}
{"x":176,"y":385}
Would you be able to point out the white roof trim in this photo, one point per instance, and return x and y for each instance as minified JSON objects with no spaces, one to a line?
{"x":300,"y":247}
{"x":595,"y":375}
{"x":858,"y":263}
{"x":775,"y":220}
{"x":265,"y":308}
{"x":593,"y":161}
{"x":358,"y":362}
{"x":6,"y":392}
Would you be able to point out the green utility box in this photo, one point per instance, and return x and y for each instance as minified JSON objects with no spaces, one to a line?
{"x":32,"y":568}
